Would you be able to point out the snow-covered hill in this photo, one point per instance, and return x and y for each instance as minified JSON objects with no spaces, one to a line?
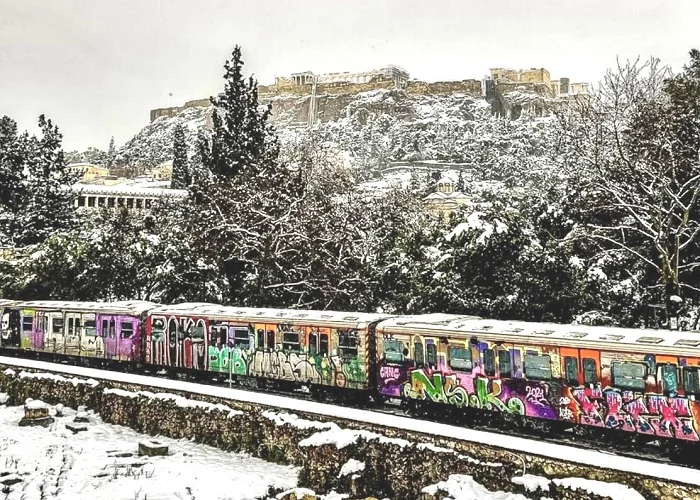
{"x":376,"y":128}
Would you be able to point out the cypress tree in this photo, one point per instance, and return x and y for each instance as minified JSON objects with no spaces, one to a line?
{"x":181,"y":172}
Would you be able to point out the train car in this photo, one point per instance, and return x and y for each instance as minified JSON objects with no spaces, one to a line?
{"x":107,"y":330}
{"x":643,"y":382}
{"x":312,"y":348}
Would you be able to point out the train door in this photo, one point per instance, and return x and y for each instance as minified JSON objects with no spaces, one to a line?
{"x":89,"y":345}
{"x":32,"y":332}
{"x":109,"y":335}
{"x":570,"y":366}
{"x":504,"y":360}
{"x":173,"y":342}
{"x":72,"y":326}
{"x":55,"y":335}
{"x":590,"y":367}
{"x":125,"y":338}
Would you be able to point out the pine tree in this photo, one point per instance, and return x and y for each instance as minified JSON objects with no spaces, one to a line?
{"x":182,"y":178}
{"x":461,"y":186}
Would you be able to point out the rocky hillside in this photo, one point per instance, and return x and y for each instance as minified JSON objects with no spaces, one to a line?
{"x":375,"y":128}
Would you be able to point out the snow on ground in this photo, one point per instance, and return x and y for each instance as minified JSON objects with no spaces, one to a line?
{"x":102,"y":463}
{"x":594,"y":458}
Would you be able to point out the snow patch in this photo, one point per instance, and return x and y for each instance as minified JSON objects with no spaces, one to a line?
{"x":345,"y":437}
{"x":281,"y":419}
{"x":463,"y":487}
{"x":34,"y":404}
{"x":615,"y":491}
{"x":9,"y":372}
{"x":298,"y":492}
{"x":352,"y":466}
{"x":532,"y":482}
{"x":58,"y":378}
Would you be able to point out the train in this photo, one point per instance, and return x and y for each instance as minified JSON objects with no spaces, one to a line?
{"x":638,"y":384}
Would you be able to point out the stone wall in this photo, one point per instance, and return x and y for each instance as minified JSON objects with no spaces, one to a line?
{"x":398,"y":463}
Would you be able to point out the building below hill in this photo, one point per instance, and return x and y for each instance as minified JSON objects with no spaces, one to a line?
{"x":88,"y":172}
{"x":446,"y":199}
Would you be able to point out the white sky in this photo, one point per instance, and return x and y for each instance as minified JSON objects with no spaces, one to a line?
{"x":97,"y":67}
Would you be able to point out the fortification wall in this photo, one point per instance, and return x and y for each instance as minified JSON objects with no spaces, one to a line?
{"x":471,"y":87}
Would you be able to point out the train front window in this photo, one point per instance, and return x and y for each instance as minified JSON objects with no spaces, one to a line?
{"x":538,"y":366}
{"x":571,"y":370}
{"x":691,"y":379}
{"x":432,"y":355}
{"x":313,"y":341}
{"x":629,"y":376}
{"x":461,"y":359}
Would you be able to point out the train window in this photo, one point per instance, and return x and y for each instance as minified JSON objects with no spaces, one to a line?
{"x":461,"y":358}
{"x":691,"y":379}
{"x":27,"y":323}
{"x":271,"y":340}
{"x":489,"y":362}
{"x":669,"y":378}
{"x":347,"y":343}
{"x":290,"y":341}
{"x":313,"y":344}
{"x":504,"y":366}
{"x":71,"y":326}
{"x":323,"y":344}
{"x":260,"y":338}
{"x":538,"y":366}
{"x":571,"y":370}
{"x":418,"y":354}
{"x":590,"y":371}
{"x":57,"y":326}
{"x":432,"y":355}
{"x":241,"y":338}
{"x":628,"y":376}
{"x":393,"y":350}
{"x":112,"y":328}
{"x":127,"y":329}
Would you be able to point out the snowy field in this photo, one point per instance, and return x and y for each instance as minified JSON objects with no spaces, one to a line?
{"x":102,"y":463}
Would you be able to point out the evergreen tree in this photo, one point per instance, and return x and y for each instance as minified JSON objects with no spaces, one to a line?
{"x":182,"y":177}
{"x":244,"y":200}
{"x":40,"y":200}
{"x":461,"y":185}
{"x":111,"y":153}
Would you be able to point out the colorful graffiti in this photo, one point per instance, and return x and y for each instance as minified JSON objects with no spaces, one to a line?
{"x":650,"y":414}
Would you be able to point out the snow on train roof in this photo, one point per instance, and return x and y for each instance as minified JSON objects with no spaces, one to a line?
{"x":132,"y":307}
{"x":216,"y":310}
{"x":546,"y":332}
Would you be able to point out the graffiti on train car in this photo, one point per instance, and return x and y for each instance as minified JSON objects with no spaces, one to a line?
{"x":651,"y":414}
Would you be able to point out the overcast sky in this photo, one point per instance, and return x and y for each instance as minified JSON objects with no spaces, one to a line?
{"x":96,"y":67}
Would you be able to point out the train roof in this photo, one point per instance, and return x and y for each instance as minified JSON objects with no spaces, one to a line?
{"x":6,"y":302}
{"x":127,"y":307}
{"x":251,"y":315}
{"x":683,"y":343}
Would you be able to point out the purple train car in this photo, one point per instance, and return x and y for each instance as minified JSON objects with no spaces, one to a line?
{"x":109,"y":330}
